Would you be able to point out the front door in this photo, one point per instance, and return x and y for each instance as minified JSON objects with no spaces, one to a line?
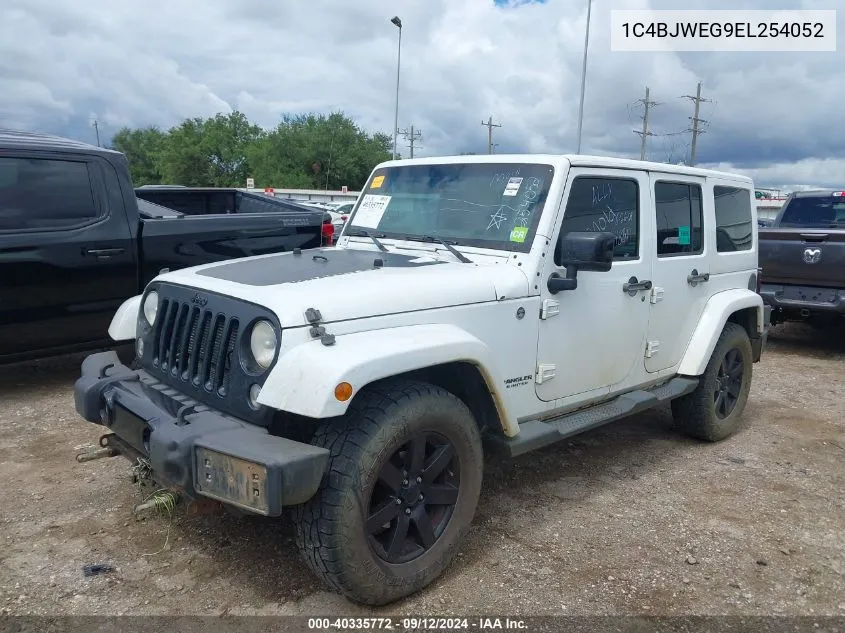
{"x":681,"y":269}
{"x":592,"y":338}
{"x":67,"y":259}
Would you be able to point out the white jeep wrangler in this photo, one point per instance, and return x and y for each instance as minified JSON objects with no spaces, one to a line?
{"x":519,"y":299}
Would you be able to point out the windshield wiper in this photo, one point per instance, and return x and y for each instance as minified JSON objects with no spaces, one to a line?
{"x":428,"y":238}
{"x":363,"y":233}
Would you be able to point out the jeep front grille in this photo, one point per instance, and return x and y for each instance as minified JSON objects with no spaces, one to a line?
{"x":194,"y":345}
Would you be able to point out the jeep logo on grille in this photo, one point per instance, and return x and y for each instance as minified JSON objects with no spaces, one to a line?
{"x":199,"y":300}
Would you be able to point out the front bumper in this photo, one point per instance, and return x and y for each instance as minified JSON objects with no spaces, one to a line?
{"x":793,"y":300}
{"x":193,"y":447}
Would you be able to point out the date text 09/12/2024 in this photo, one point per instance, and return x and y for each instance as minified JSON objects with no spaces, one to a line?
{"x":418,"y":623}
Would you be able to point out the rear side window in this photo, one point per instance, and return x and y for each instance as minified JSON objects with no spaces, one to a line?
{"x":679,"y":219}
{"x":604,"y":205}
{"x":37,"y":193}
{"x":734,"y":230}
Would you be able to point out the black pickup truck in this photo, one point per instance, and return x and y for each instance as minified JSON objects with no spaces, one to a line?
{"x":77,"y":239}
{"x":802,"y":256}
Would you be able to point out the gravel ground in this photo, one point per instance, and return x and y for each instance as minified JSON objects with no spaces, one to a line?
{"x":628,"y":519}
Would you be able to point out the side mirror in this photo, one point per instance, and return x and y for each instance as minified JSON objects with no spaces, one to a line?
{"x":582,"y":250}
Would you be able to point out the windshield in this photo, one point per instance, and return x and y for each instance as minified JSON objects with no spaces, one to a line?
{"x":490,"y":205}
{"x":814,"y":211}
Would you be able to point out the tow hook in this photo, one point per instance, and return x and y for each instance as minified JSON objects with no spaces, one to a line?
{"x":162,"y":500}
{"x":108,"y":450}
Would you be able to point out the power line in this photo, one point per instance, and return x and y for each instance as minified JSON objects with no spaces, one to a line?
{"x":490,"y":125}
{"x":412,"y":137}
{"x":645,"y":133}
{"x":696,"y":121}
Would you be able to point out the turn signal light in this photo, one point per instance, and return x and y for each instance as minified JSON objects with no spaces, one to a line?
{"x":343,"y":391}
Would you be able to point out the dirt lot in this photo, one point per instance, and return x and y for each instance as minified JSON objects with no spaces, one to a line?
{"x":627,"y":519}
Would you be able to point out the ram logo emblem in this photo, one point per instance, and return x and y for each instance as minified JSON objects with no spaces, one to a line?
{"x":812,"y":255}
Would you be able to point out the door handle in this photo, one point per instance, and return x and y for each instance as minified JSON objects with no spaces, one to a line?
{"x":633,"y":286}
{"x":105,"y":252}
{"x":693,"y":279}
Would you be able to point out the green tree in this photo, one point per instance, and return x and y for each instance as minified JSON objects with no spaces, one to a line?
{"x":316,"y":151}
{"x":142,"y":148}
{"x":304,"y":151}
{"x":209,"y":152}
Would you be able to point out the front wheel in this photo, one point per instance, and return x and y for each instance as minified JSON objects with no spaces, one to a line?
{"x":403,"y":482}
{"x":712,"y":412}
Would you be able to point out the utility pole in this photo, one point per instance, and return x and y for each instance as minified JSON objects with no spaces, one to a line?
{"x":97,"y":130}
{"x":490,"y":125}
{"x":412,"y":137}
{"x":645,"y":133}
{"x":696,"y":121}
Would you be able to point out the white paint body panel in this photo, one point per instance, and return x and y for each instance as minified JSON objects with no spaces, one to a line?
{"x":393,"y":320}
{"x":125,"y":321}
{"x":675,"y":316}
{"x":370,"y":292}
{"x":305,"y":378}
{"x":597,"y":339}
{"x":709,"y":327}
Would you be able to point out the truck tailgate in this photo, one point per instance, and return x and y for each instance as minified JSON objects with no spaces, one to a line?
{"x":809,"y":257}
{"x":193,"y":240}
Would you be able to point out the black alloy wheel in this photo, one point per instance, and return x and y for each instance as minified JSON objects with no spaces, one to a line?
{"x":414,"y":498}
{"x":728,"y":383}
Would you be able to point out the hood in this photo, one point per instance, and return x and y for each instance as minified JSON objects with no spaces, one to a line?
{"x":350,"y":284}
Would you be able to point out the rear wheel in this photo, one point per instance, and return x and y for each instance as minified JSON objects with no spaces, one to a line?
{"x":712,"y":412}
{"x":402,"y":487}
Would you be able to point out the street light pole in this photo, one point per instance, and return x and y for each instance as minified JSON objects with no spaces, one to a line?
{"x":584,"y":76}
{"x":396,"y":21}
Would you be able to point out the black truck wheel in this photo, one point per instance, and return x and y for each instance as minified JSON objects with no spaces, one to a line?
{"x":402,"y":486}
{"x":712,"y":412}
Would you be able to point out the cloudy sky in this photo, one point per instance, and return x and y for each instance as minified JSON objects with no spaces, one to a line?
{"x":779,"y":117}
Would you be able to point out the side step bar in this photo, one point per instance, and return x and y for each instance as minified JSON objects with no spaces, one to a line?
{"x":539,"y":433}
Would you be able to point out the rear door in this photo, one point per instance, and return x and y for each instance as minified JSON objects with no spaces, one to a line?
{"x":680,"y":270}
{"x":67,"y":259}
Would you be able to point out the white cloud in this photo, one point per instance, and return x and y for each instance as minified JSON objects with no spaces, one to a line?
{"x":143,"y":62}
{"x":806,"y":173}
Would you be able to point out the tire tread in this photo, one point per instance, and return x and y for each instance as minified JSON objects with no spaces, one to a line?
{"x":318,"y":536}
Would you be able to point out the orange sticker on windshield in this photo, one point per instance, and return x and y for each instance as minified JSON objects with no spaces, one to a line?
{"x":377,"y":182}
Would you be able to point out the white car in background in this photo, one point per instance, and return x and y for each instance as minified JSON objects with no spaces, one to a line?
{"x":340,"y":212}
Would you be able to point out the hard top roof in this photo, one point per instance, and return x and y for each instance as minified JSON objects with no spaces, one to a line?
{"x":574,"y":160}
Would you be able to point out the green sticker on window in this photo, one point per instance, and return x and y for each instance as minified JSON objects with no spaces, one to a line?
{"x":518,"y":234}
{"x":683,"y":235}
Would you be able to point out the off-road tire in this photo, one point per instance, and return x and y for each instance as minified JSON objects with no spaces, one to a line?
{"x":695,"y":413}
{"x":331,"y":527}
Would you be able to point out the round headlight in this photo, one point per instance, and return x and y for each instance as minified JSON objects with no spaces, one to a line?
{"x":262,"y":344}
{"x":151,"y":307}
